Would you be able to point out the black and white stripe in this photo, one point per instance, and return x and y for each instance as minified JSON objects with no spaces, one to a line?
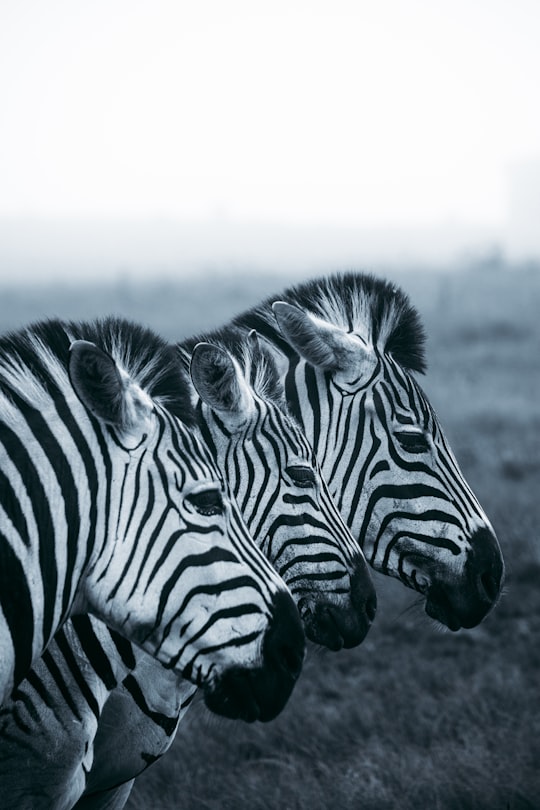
{"x":348,"y":347}
{"x":277,"y":482}
{"x":273,"y":474}
{"x":112,"y":506}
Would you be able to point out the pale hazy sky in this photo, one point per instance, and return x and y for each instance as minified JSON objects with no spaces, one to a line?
{"x":356,"y":112}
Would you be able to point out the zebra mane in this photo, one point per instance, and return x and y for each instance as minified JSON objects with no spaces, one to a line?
{"x":357,"y":302}
{"x":34,"y":362}
{"x":256,"y":363}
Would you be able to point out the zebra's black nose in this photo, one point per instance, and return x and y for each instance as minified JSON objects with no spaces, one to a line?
{"x":260,"y":693}
{"x":363,"y":594}
{"x":467,"y":602}
{"x":491,"y":586}
{"x":284,"y":642}
{"x":485,"y":567}
{"x":343,"y":620}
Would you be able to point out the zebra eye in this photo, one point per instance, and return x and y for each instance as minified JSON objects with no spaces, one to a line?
{"x":303,"y":476}
{"x":412,"y":442}
{"x":208,"y":502}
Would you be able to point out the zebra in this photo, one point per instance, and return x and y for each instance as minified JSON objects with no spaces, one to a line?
{"x":348,"y":347}
{"x":275,"y":478}
{"x":244,"y":420}
{"x":113,"y":506}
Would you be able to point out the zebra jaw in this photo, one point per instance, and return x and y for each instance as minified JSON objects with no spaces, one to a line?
{"x":438,"y":607}
{"x":458,"y":595}
{"x":260,"y":693}
{"x":330,"y":624}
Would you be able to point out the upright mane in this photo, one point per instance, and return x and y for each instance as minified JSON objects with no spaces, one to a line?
{"x":355,"y":302}
{"x":34,"y":362}
{"x":255,"y":360}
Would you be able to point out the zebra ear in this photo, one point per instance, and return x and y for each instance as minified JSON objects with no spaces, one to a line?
{"x":218,"y":381}
{"x":320,"y":343}
{"x":107,"y":391}
{"x":256,"y":355}
{"x":253,"y":339}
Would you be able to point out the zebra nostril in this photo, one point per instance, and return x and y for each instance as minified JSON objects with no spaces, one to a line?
{"x":284,"y":644}
{"x":485,"y":566}
{"x":305,"y":609}
{"x":371,"y":607}
{"x":290,"y":659}
{"x":490,"y":586}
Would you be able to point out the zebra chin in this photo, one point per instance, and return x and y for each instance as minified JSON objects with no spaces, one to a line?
{"x":466,"y":603}
{"x":260,"y":693}
{"x":341,"y":621}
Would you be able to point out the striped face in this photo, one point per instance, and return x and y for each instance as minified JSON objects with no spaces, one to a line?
{"x":112,"y":506}
{"x":179,"y":573}
{"x":277,"y":483}
{"x":390,"y":469}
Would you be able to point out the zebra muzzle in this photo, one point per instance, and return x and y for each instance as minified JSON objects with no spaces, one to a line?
{"x":466,"y":602}
{"x":260,"y":693}
{"x":338,"y":620}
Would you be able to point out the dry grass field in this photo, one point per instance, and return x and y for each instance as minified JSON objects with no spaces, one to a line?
{"x":416,"y":717}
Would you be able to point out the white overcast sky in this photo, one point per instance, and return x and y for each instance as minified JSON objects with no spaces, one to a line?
{"x":389,"y":111}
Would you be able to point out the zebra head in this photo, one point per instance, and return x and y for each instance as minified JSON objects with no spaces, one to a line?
{"x":283,"y":498}
{"x":178,"y":573}
{"x":381,"y":446}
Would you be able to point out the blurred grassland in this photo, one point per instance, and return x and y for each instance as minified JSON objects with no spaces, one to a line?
{"x":416,"y":717}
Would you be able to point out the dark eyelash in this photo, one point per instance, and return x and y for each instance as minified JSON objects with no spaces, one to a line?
{"x":302,"y":476}
{"x":412,"y":442}
{"x":209,"y":502}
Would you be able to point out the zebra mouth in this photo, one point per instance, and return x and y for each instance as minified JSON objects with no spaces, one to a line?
{"x":335,"y":627}
{"x":260,"y":693}
{"x":249,"y":695}
{"x":234,"y":700}
{"x":465,"y":603}
{"x":439,"y":607}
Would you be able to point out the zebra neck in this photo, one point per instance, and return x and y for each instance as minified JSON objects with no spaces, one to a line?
{"x":53,"y":506}
{"x":306,"y":391}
